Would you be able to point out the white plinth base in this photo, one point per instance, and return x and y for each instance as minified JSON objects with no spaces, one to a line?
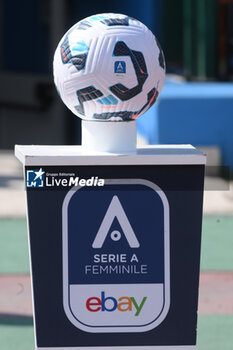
{"x":113,"y":137}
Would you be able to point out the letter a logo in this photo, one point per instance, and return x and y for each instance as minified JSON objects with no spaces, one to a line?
{"x":120,"y":67}
{"x":115,"y":210}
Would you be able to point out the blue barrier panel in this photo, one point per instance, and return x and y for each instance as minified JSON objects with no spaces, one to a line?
{"x":196,"y":113}
{"x":147,"y":125}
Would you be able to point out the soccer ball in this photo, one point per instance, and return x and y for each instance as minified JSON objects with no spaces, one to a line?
{"x":109,"y":67}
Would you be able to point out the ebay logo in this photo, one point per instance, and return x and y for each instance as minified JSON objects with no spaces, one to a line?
{"x":110,"y":304}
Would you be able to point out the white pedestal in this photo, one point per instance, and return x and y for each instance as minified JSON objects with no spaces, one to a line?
{"x":112,"y":137}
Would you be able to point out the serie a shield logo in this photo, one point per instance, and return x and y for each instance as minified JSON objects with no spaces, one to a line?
{"x":116,"y":273}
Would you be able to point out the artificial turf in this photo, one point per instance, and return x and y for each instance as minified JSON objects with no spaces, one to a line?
{"x":214,"y":331}
{"x":217,"y":245}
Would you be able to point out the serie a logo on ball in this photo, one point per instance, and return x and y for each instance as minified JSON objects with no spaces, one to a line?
{"x":109,"y":67}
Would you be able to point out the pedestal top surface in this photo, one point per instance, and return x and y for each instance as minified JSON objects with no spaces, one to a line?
{"x":76,"y":155}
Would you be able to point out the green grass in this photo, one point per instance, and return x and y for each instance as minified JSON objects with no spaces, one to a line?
{"x":16,"y":333}
{"x":215,"y":332}
{"x":14,"y":257}
{"x":217,"y":243}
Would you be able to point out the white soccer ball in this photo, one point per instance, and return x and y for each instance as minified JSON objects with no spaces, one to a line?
{"x":109,"y":67}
